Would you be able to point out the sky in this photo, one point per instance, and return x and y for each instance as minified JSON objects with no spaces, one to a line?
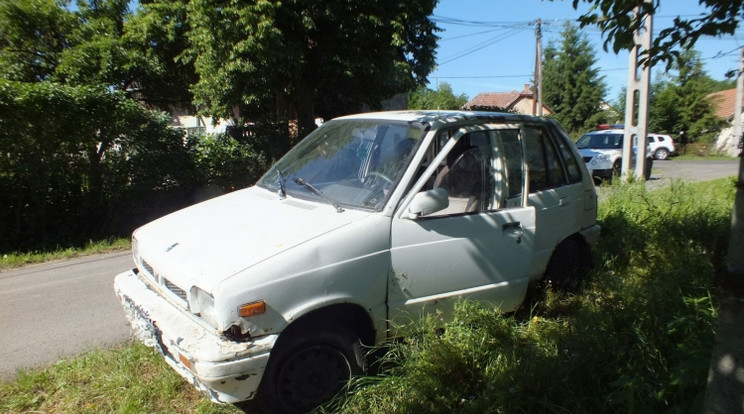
{"x":489,"y":45}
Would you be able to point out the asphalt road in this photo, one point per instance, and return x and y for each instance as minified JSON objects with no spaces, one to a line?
{"x":60,"y":309}
{"x":65,"y":308}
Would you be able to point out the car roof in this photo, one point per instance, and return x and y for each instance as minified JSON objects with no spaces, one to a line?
{"x":437,"y":117}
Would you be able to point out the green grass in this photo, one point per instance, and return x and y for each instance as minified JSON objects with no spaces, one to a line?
{"x":636,"y":338}
{"x":17,"y":259}
{"x":127,"y":379}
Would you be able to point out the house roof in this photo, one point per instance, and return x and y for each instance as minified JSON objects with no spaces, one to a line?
{"x":724,"y":103}
{"x":501,"y":99}
{"x":505,"y":100}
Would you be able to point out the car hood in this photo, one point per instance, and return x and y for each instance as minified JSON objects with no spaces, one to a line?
{"x":206,"y":243}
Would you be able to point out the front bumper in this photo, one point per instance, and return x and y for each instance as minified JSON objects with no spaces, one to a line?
{"x":226,"y":371}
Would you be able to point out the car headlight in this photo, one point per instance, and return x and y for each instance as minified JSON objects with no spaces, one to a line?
{"x":202,"y":304}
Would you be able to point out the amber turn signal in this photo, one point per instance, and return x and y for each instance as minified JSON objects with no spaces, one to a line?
{"x":252,"y":309}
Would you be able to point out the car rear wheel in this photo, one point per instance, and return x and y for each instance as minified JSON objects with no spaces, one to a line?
{"x":661,"y":154}
{"x":309,"y":368}
{"x":568,"y":265}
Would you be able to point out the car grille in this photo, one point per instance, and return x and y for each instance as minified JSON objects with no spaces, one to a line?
{"x":175,"y":289}
{"x":171,"y":289}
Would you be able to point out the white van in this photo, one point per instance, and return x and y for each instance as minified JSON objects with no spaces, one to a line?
{"x":370,"y":222}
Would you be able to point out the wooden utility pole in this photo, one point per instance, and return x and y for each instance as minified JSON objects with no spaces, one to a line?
{"x":636,"y":99}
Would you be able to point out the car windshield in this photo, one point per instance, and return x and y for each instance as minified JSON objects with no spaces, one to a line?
{"x":600,"y":141}
{"x":349,"y":163}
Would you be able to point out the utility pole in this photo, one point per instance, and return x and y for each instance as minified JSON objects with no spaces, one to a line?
{"x":537,"y":103}
{"x":636,"y":99}
{"x":735,"y":259}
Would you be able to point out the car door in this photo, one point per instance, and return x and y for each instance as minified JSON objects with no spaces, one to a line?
{"x":555,"y":190}
{"x":478,"y":248}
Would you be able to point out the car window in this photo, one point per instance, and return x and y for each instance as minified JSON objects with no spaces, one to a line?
{"x":513,"y":166}
{"x":567,"y":156}
{"x":481,"y":172}
{"x":544,"y":168}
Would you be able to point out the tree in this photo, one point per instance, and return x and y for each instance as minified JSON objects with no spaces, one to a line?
{"x":614,"y":18}
{"x":33,"y":35}
{"x":442,"y":98}
{"x":156,"y":37}
{"x":572,"y":86}
{"x":270,"y":59}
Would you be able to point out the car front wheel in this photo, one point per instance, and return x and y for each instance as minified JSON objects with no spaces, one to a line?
{"x":309,"y":368}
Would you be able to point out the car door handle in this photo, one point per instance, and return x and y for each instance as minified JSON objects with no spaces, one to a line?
{"x":512,"y":225}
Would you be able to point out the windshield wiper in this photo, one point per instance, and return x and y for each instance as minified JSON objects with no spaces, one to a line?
{"x":282,"y":191}
{"x":312,"y":188}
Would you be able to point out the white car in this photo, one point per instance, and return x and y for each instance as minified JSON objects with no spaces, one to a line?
{"x":660,"y":146}
{"x":369,"y":223}
{"x":602,"y":152}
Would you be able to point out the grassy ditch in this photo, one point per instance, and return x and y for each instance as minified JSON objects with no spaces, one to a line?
{"x":636,"y":338}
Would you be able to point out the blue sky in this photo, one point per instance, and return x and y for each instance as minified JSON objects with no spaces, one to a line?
{"x":499,"y":56}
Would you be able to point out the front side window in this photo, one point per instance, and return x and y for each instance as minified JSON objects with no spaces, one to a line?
{"x":483,"y":171}
{"x":352,"y":163}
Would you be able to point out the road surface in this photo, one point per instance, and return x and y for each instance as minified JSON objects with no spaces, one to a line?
{"x":60,"y":309}
{"x":65,"y":308}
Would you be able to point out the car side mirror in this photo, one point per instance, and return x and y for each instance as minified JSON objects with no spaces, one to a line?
{"x":427,"y":202}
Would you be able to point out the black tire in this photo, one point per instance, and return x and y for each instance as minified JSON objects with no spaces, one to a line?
{"x":647,"y":170}
{"x":568,"y":265}
{"x":616,"y":169}
{"x":309,"y":368}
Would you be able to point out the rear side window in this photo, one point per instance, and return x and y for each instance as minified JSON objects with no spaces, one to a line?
{"x":544,"y":168}
{"x":569,"y":160}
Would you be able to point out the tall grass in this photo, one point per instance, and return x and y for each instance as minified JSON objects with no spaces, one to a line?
{"x":636,"y":339}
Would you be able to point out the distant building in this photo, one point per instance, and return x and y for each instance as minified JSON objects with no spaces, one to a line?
{"x":724,"y":103}
{"x":520,"y":102}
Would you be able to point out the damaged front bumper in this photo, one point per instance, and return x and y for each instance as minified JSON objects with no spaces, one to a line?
{"x":226,"y":371}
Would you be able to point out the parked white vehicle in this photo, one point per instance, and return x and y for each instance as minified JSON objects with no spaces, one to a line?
{"x":369,"y":223}
{"x":602,"y":152}
{"x":661,"y":146}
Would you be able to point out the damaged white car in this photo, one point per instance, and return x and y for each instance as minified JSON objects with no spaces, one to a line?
{"x":370,"y":222}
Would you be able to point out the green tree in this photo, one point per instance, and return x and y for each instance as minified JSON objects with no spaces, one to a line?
{"x":33,"y":35}
{"x":695,"y":114}
{"x":156,"y":38}
{"x":272,"y":59}
{"x":572,"y":86}
{"x":614,"y":18}
{"x":441,"y":98}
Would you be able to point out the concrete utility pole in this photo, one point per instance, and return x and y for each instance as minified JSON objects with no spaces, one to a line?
{"x":636,"y":100}
{"x":735,"y":259}
{"x":725,"y":390}
{"x":537,"y":103}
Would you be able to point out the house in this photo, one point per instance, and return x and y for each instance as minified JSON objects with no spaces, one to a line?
{"x":521,"y":102}
{"x":724,"y":103}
